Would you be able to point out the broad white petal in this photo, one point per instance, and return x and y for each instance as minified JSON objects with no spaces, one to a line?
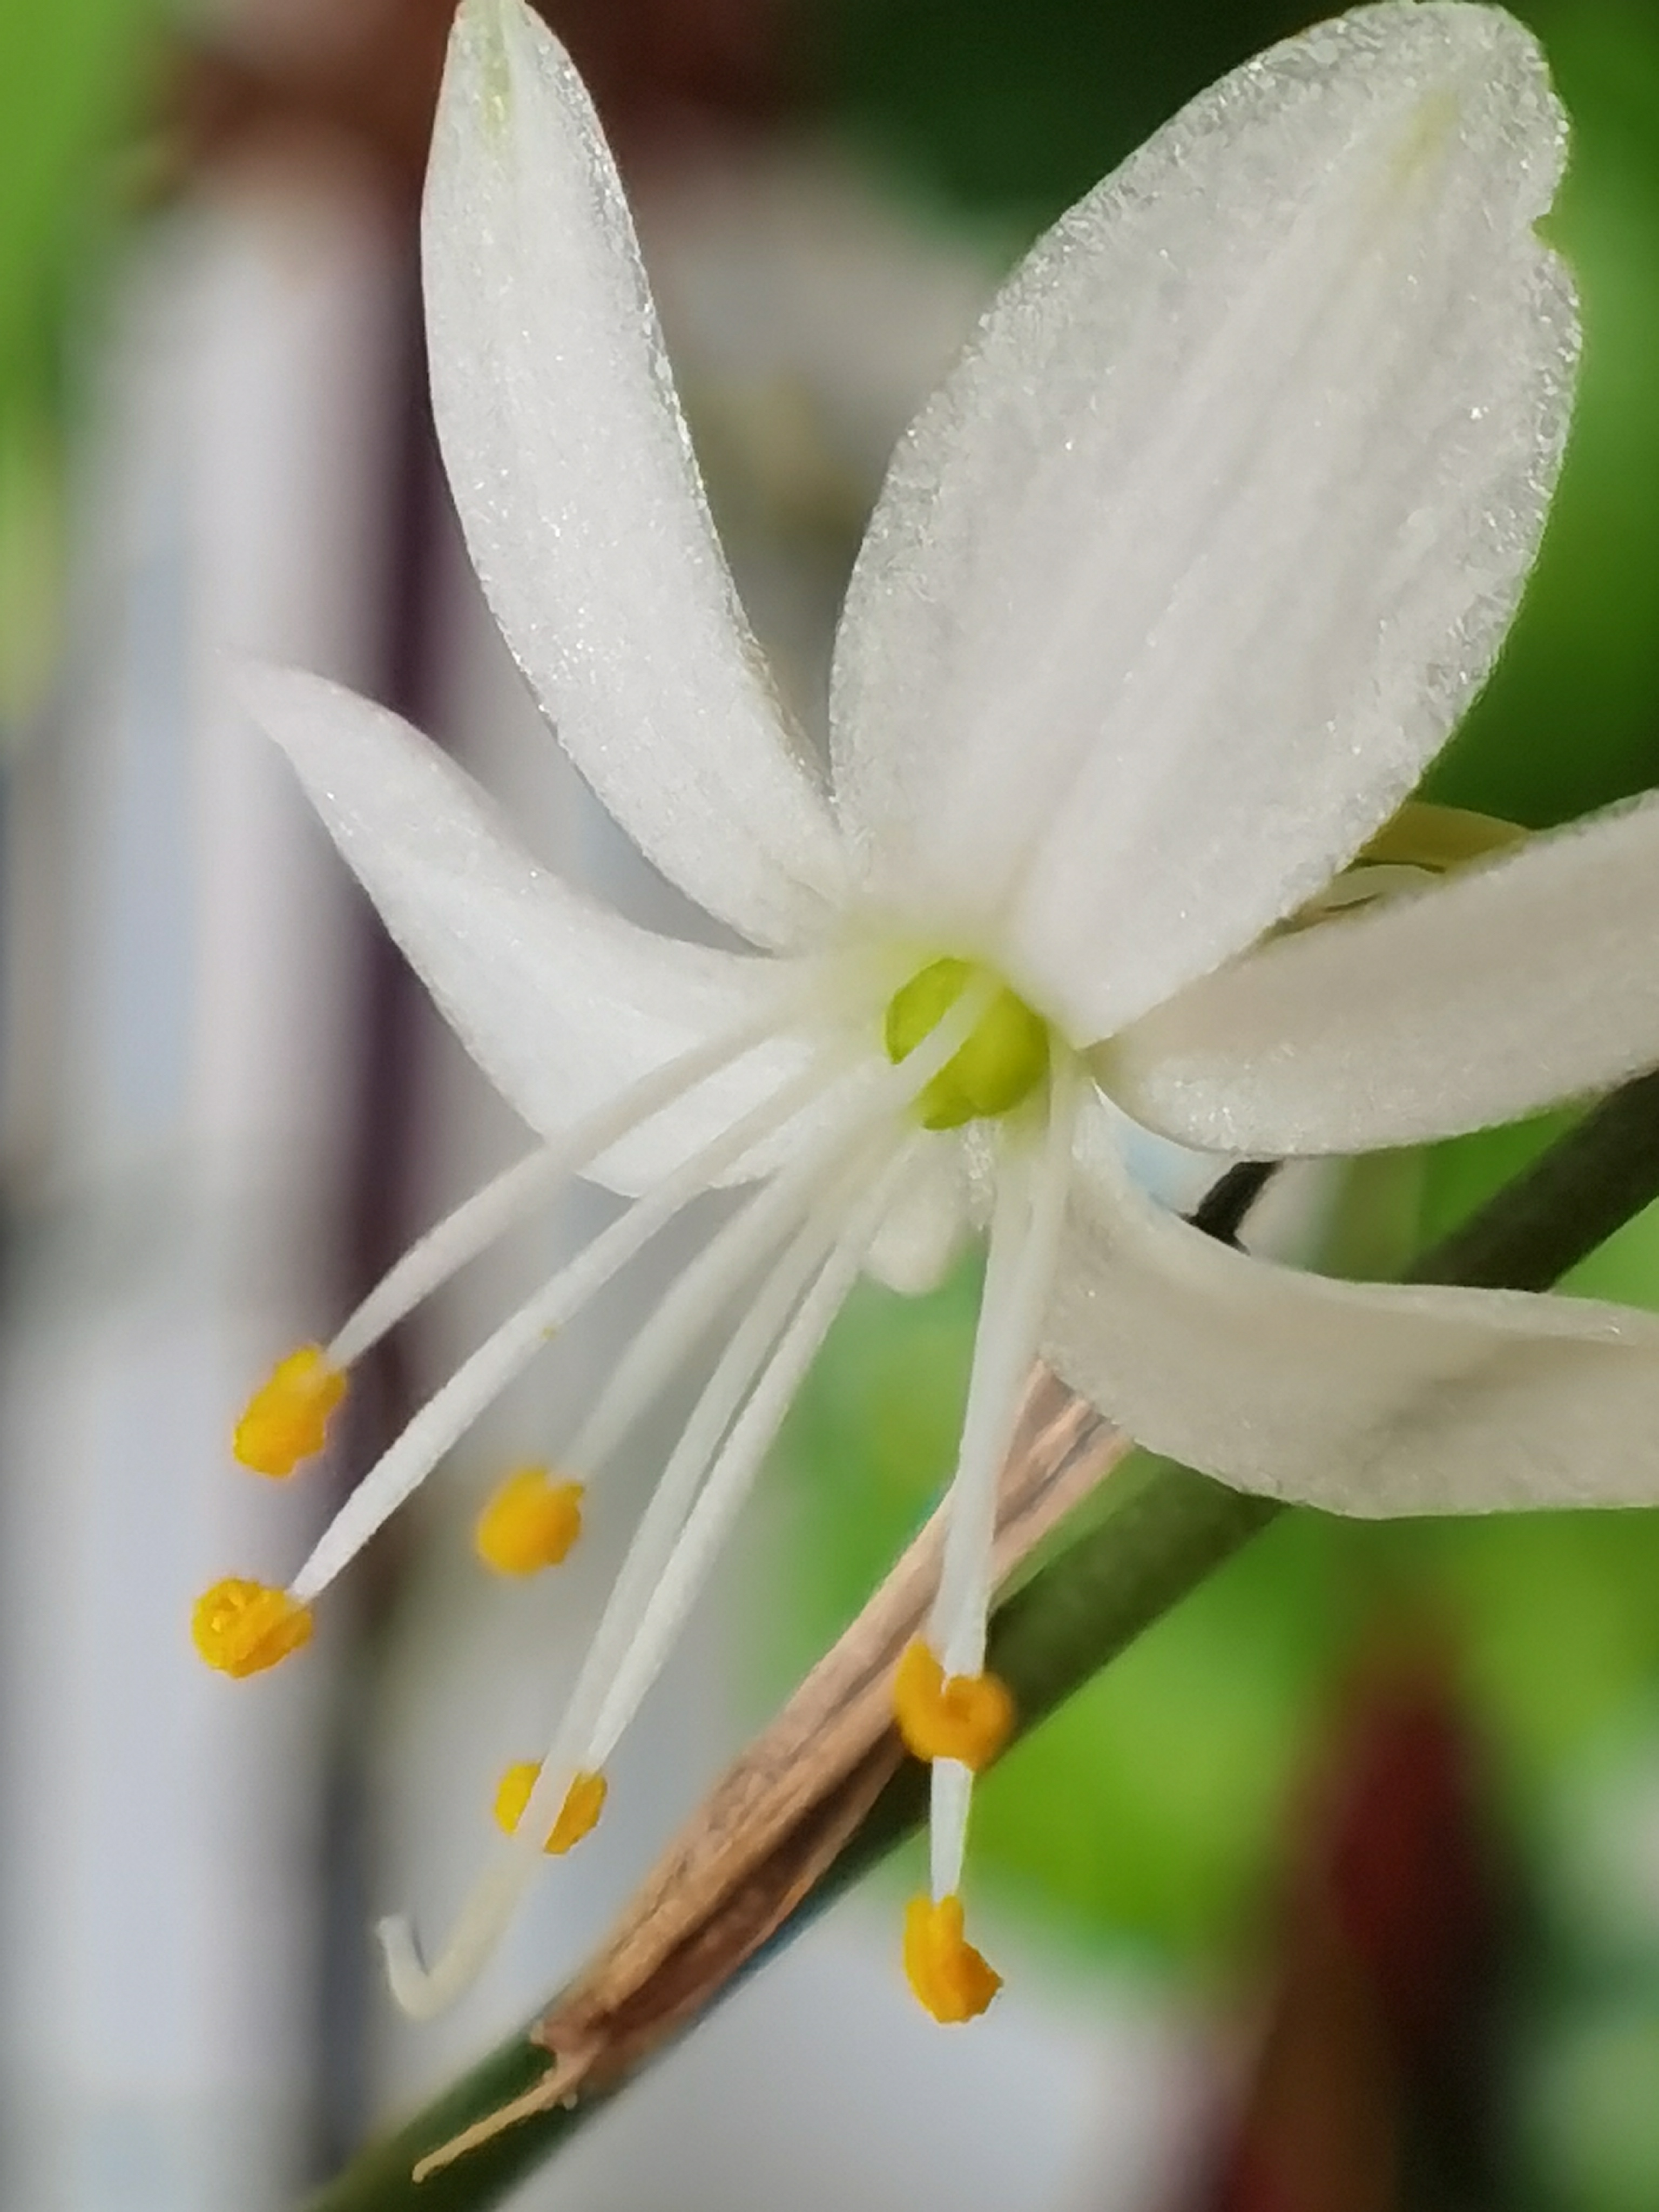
{"x":1529,"y":980}
{"x":1190,"y":568}
{"x":560,"y":1001}
{"x":581,"y":503}
{"x":1358,"y":1398}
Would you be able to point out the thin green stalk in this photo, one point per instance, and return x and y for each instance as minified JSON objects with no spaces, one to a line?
{"x":1159,"y":1529}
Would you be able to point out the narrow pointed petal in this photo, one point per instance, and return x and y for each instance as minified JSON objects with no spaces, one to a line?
{"x":1358,"y":1397}
{"x":580,"y":501}
{"x":1530,"y":980}
{"x":561,"y":1002}
{"x":1193,"y":564}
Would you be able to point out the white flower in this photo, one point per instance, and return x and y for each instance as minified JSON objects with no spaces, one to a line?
{"x":1173,"y":590}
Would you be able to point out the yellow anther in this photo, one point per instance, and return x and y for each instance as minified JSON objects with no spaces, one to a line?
{"x":1002,"y":1063}
{"x":242,"y":1627}
{"x":964,"y":1717}
{"x":287,"y":1417}
{"x":530,"y":1522}
{"x":583,"y":1803}
{"x":512,"y":1793}
{"x":950,"y":1979}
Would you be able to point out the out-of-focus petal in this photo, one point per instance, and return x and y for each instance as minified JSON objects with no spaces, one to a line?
{"x":1192,"y":565}
{"x":1358,"y":1398}
{"x":561,"y":1002}
{"x":925,"y":1228}
{"x":1529,"y":980}
{"x":581,"y":503}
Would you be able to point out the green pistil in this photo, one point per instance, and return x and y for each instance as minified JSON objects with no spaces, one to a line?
{"x":1003,"y":1061}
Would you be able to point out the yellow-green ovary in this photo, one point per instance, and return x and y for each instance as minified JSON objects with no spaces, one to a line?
{"x":1003,"y":1059}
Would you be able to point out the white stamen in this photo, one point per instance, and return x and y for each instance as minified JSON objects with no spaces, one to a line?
{"x":694,"y":1300}
{"x":451,"y":1411}
{"x":489,"y":1213}
{"x":444,"y":1250}
{"x":1024,"y":1251}
{"x":676,"y":1492}
{"x":677,"y":1539}
{"x":485,"y":1912}
{"x":489,"y":1905}
{"x":733,"y":1474}
{"x":949,"y":1796}
{"x":591,"y":1719}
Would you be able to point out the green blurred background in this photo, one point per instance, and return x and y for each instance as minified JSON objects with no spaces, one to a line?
{"x":1152,"y":1810}
{"x":1146,"y":1822}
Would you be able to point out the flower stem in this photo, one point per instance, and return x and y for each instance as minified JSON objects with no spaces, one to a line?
{"x":1156,"y":1531}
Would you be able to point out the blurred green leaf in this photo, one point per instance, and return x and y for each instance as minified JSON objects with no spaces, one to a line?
{"x":1571,"y":719}
{"x":1004,"y":114}
{"x":72,"y":76}
{"x":1587,"y":2110}
{"x":1007,"y":114}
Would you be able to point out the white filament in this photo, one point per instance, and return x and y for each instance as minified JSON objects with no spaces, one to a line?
{"x":451,"y":1411}
{"x":695,"y":1296}
{"x":680,"y":1533}
{"x":733,"y":1474}
{"x":633,"y":1614}
{"x":1025,"y":1235}
{"x":490,"y":1213}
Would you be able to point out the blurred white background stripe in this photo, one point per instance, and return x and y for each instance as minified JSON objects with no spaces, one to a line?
{"x":177,"y":1228}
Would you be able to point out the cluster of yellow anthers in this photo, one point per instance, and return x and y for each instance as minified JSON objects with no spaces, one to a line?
{"x":979,"y":1053}
{"x":242,"y":1627}
{"x":529,"y":1521}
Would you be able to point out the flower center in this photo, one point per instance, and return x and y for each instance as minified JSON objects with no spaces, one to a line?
{"x":1004,"y":1058}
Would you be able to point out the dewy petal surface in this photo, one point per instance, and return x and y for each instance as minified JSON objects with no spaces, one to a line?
{"x":1529,"y":980}
{"x":580,"y":501}
{"x":1192,"y":564}
{"x":1358,"y":1397}
{"x":561,"y":1002}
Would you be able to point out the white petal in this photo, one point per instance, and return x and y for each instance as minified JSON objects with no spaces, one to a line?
{"x":1532,"y":979}
{"x":1358,"y":1397}
{"x":924,"y":1229}
{"x":561,"y":1002}
{"x":1191,"y":567}
{"x":580,"y":501}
